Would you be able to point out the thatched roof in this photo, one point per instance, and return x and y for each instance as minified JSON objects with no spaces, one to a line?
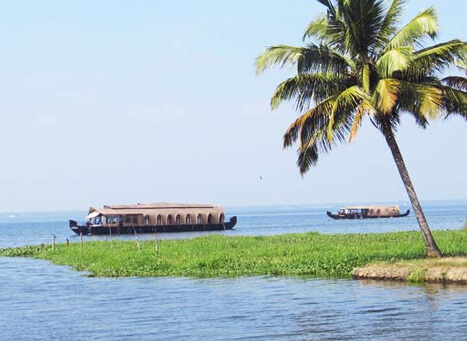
{"x":157,"y":205}
{"x":374,"y":207}
{"x":157,"y":209}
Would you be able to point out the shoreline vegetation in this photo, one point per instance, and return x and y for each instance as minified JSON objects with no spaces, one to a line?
{"x":395,"y":255}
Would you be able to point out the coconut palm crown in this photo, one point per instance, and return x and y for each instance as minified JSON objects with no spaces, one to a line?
{"x":357,"y":63}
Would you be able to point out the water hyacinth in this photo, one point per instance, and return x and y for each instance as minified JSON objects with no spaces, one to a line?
{"x":311,"y":254}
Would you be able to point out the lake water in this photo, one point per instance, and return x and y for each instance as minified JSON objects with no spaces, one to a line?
{"x":40,"y":301}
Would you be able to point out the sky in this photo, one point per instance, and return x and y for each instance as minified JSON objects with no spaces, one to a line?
{"x":115,"y":102}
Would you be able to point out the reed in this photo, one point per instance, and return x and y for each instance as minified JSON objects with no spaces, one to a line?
{"x":313,"y":254}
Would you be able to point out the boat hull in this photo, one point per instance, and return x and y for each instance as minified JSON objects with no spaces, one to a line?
{"x":119,"y":230}
{"x":360,"y":216}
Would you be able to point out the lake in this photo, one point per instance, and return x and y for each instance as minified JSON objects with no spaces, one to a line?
{"x":40,"y":301}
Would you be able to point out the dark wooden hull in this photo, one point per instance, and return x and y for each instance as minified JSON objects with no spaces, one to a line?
{"x":116,"y":230}
{"x":360,"y":216}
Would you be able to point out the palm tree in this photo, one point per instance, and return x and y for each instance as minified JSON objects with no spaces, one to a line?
{"x":357,"y":63}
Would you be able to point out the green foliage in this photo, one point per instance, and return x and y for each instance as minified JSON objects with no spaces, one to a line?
{"x":311,"y":254}
{"x":357,"y":62}
{"x":417,"y":276}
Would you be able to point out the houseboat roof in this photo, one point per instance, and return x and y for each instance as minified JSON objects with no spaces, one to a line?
{"x":158,"y":205}
{"x":361,"y":207}
{"x":153,"y":209}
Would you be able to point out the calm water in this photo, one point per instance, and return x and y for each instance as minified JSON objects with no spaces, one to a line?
{"x":39,"y":301}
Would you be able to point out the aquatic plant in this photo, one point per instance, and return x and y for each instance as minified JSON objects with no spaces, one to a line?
{"x":358,"y":63}
{"x":310,"y":254}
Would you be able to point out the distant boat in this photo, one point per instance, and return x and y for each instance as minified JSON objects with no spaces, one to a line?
{"x":368,"y":212}
{"x":151,"y":218}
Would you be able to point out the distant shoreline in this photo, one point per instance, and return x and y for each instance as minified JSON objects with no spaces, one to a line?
{"x":256,"y":206}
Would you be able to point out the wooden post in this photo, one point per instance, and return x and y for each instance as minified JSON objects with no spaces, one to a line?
{"x":67,"y":244}
{"x":81,"y":240}
{"x":137,"y":241}
{"x":110,"y":232}
{"x":155,"y":243}
{"x":53,"y":243}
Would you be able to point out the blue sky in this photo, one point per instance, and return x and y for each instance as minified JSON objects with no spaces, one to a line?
{"x":144,"y":101}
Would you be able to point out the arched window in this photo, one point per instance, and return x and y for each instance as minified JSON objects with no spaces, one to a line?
{"x":146,"y":220}
{"x":169,"y":220}
{"x":221,"y":218}
{"x":177,"y":219}
{"x":188,"y":219}
{"x":198,"y":219}
{"x":159,"y":220}
{"x":209,"y":218}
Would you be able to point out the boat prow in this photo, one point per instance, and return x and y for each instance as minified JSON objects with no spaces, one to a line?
{"x":232,"y":222}
{"x":331,"y":215}
{"x":405,"y":214}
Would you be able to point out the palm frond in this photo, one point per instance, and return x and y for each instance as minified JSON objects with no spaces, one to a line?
{"x":318,"y":116}
{"x":436,"y":58}
{"x":323,"y":59}
{"x":307,"y":87}
{"x":362,"y":20}
{"x":307,"y":157}
{"x":462,"y":65}
{"x":314,"y":138}
{"x":397,"y":59}
{"x":456,"y":82}
{"x":347,"y":101}
{"x":386,"y":95}
{"x":363,"y":109}
{"x":318,"y":28}
{"x":311,"y":58}
{"x":280,"y":55}
{"x":431,"y":104}
{"x":424,"y":24}
{"x":424,"y":101}
{"x":388,"y":27}
{"x":454,"y":102}
{"x":329,"y":5}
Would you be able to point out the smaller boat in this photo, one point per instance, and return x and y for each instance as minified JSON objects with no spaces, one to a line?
{"x":368,"y":212}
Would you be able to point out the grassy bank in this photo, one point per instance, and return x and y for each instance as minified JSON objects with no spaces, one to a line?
{"x":292,"y":254}
{"x":444,"y":270}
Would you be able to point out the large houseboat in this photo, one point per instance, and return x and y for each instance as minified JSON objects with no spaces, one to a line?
{"x":152,"y":218}
{"x":367,"y":212}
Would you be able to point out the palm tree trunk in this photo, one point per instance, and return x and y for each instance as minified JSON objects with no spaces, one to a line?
{"x":432,"y":250}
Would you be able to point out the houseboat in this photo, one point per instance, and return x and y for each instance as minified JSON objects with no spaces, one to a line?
{"x":152,"y":218}
{"x":368,"y":212}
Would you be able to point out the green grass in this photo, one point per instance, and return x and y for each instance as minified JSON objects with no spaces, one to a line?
{"x":314,"y":254}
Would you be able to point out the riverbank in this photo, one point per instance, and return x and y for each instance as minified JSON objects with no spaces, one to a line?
{"x":451,"y":270}
{"x":313,"y":254}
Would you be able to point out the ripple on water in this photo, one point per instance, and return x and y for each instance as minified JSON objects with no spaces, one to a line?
{"x":39,"y":301}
